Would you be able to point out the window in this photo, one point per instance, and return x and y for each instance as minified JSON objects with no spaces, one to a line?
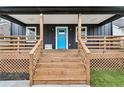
{"x":31,"y":33}
{"x":117,"y":31}
{"x":83,"y":32}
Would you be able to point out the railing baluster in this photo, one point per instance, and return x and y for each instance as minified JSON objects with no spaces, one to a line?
{"x":18,"y":43}
{"x":104,"y":44}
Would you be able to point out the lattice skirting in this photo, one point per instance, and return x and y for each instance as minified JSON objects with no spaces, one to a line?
{"x":14,"y":62}
{"x":15,"y":66}
{"x":107,"y":61}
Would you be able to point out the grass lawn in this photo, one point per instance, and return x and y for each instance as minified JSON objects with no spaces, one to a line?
{"x":106,"y":78}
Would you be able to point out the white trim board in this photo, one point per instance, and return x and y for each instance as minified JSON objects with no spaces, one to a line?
{"x":56,"y":36}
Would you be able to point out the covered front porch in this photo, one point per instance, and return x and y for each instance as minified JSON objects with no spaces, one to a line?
{"x":62,"y":48}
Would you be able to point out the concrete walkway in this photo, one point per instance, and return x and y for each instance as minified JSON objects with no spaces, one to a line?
{"x":25,"y":83}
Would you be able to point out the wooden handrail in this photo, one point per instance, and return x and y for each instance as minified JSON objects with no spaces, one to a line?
{"x":92,"y":39}
{"x":84,"y":46}
{"x":15,"y":36}
{"x":103,"y":36}
{"x":35,"y":47}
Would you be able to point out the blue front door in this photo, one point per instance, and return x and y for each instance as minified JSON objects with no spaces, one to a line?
{"x":61,"y":37}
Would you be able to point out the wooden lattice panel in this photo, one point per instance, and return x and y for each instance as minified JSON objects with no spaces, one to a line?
{"x":14,"y":62}
{"x":107,"y":61}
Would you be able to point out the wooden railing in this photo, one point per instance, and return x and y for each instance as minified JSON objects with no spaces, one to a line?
{"x":35,"y":55}
{"x":104,"y":42}
{"x":84,"y":53}
{"x":17,"y":43}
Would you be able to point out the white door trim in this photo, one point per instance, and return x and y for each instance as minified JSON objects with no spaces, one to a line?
{"x":56,"y":36}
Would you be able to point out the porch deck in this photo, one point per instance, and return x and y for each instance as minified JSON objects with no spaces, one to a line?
{"x":61,"y":66}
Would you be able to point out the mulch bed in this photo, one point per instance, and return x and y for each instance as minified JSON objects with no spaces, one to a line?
{"x":14,"y":76}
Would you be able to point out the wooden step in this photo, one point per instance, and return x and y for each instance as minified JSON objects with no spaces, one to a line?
{"x":60,"y":68}
{"x":62,"y":76}
{"x":60,"y":82}
{"x":51,"y":71}
{"x":60,"y":71}
{"x":60,"y":65}
{"x":60,"y":50}
{"x":60,"y":53}
{"x":60,"y":59}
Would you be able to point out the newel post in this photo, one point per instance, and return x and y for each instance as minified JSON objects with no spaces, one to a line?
{"x":79,"y":30}
{"x":41,"y":29}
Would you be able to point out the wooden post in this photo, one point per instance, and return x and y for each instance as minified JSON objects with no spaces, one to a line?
{"x":31,"y":70}
{"x":104,"y":44}
{"x":41,"y":48}
{"x":18,"y":38}
{"x":79,"y":30}
{"x":41,"y":28}
{"x":88,"y":69}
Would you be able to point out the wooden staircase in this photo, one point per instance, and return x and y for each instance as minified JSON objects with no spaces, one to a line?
{"x":60,"y":67}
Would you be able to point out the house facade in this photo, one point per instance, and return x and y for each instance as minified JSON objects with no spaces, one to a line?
{"x":93,"y":23}
{"x":61,"y":44}
{"x":96,"y":23}
{"x":50,"y":28}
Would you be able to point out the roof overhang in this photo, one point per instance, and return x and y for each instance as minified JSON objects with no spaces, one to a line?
{"x":62,"y":10}
{"x":104,"y":14}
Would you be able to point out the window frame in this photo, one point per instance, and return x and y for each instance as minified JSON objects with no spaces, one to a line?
{"x":76,"y":28}
{"x":27,"y":33}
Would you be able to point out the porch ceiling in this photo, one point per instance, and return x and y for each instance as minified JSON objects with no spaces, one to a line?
{"x":63,"y":18}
